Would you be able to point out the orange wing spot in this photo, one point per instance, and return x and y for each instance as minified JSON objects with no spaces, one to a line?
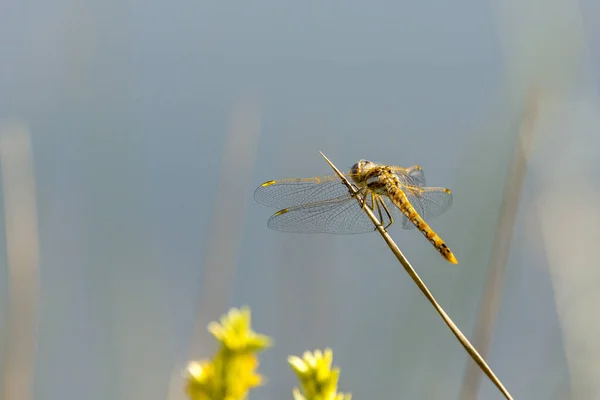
{"x":282,"y":211}
{"x":447,"y":191}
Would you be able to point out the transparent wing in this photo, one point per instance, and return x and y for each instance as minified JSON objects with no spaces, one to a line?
{"x":294,"y":192}
{"x":411,"y":176}
{"x":323,"y":204}
{"x":341,"y":215}
{"x":429,"y":202}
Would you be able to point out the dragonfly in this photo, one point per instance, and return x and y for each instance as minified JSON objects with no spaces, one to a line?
{"x":323,"y":204}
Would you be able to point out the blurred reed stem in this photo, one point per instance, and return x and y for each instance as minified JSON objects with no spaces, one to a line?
{"x":494,"y":284}
{"x":17,"y":364}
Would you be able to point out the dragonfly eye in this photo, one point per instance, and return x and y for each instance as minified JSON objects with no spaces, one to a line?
{"x":366,"y":163}
{"x":355,"y":168}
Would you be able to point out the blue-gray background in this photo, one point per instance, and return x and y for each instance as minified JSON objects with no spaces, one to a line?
{"x":129,"y":105}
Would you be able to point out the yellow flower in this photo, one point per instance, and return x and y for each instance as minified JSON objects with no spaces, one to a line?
{"x":240,"y":375}
{"x":200,"y":380}
{"x":236,"y":334}
{"x":317,"y":380}
{"x":232,"y":371}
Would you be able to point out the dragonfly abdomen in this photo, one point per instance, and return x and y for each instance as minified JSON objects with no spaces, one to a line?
{"x":399,"y":199}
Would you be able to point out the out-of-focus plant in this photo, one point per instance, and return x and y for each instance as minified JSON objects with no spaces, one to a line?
{"x":318,"y":381}
{"x":231,"y":373}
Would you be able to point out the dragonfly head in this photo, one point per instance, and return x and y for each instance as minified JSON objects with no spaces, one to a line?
{"x":358,"y":170}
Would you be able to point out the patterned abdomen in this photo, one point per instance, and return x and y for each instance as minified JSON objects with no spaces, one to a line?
{"x":399,"y":199}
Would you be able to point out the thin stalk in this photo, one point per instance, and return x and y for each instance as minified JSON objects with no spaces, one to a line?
{"x":494,"y":283}
{"x":417,"y":280}
{"x":17,"y":363}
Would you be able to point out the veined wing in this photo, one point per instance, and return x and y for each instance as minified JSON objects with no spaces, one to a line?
{"x":429,"y":202}
{"x":411,"y":176}
{"x":294,"y":192}
{"x":323,"y":204}
{"x":339,"y":215}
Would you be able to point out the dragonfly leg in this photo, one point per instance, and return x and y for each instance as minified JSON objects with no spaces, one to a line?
{"x":361,"y":192}
{"x":358,"y":191}
{"x":389,"y":215}
{"x":375,"y":202}
{"x":375,"y":207}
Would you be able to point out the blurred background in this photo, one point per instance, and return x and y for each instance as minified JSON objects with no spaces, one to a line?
{"x":132,"y":136}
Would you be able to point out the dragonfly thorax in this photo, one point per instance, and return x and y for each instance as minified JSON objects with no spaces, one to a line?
{"x":374,"y":177}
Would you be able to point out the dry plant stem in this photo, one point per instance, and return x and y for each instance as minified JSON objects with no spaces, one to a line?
{"x":492,"y":292}
{"x":17,"y":364}
{"x":415,"y":277}
{"x":222,"y":252}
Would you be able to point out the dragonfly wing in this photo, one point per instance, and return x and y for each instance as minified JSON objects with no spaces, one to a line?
{"x":342,"y":215}
{"x":295,"y":192}
{"x":429,"y":202}
{"x":411,"y":176}
{"x":417,"y":175}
